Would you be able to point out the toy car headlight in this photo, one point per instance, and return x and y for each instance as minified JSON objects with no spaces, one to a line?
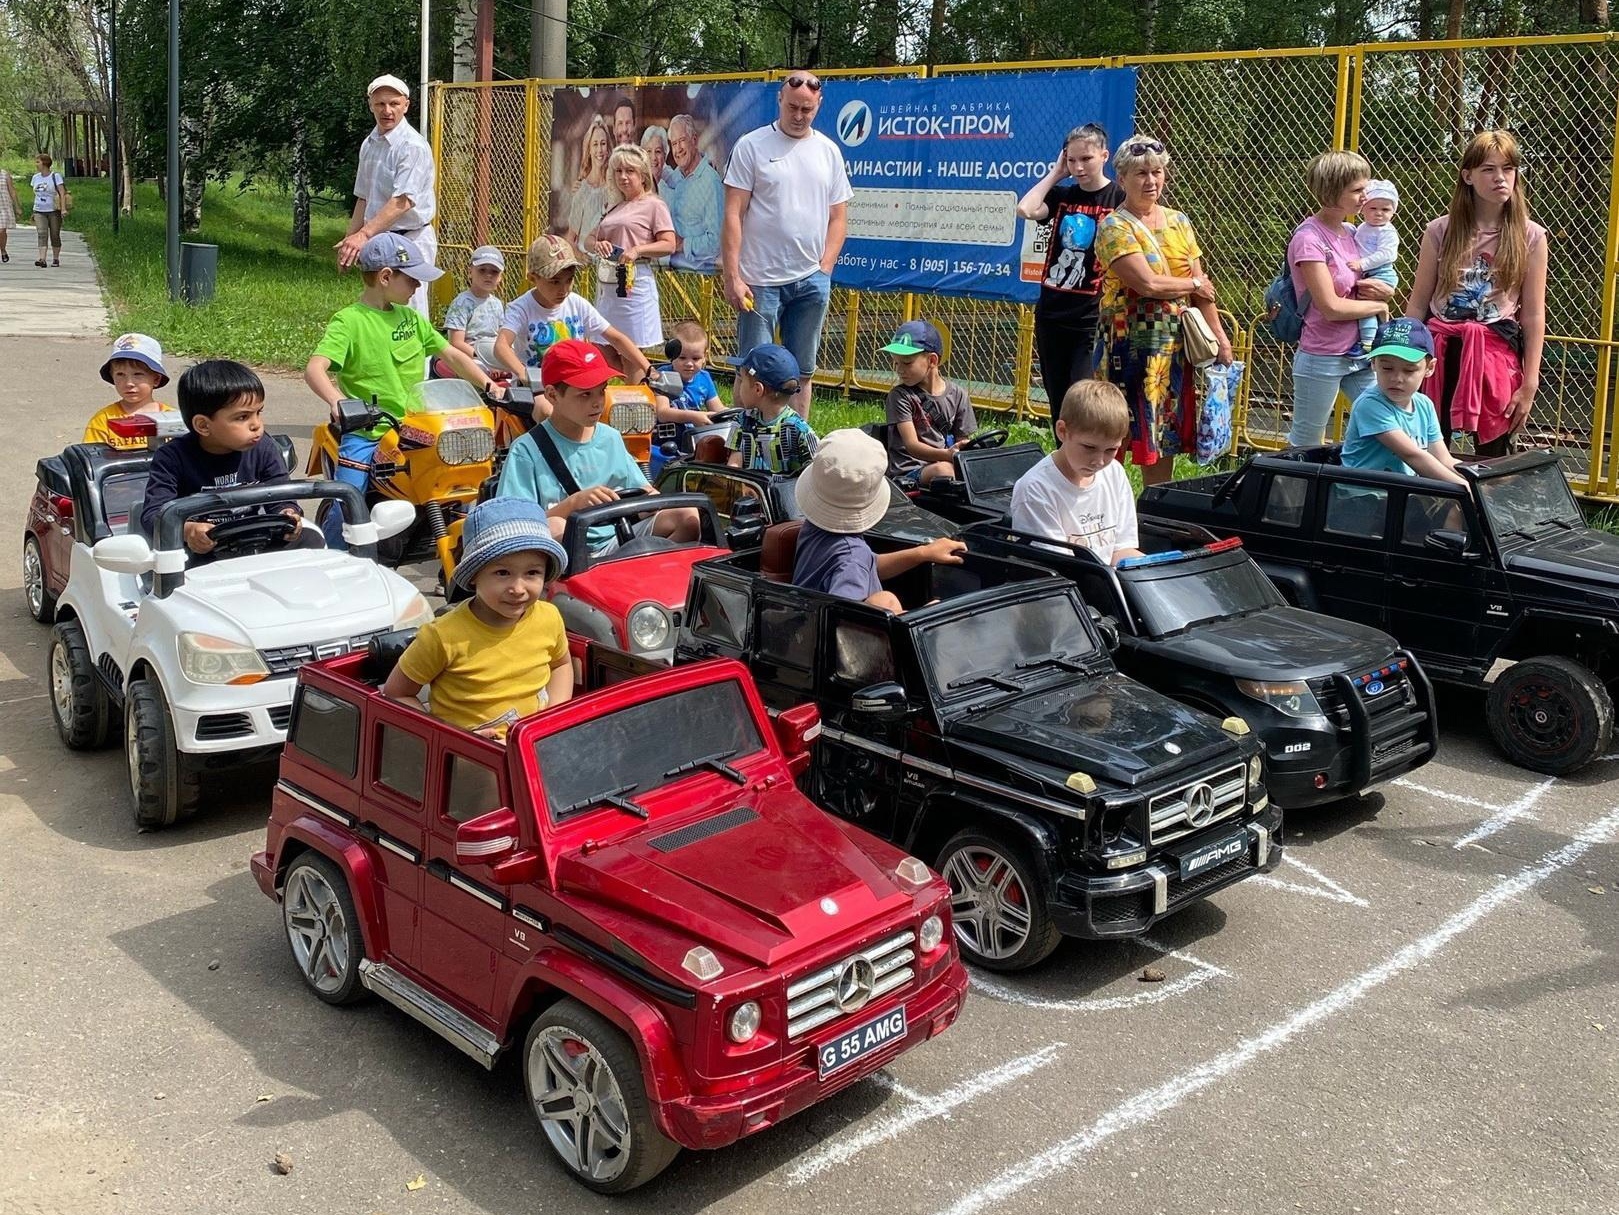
{"x":743,"y":1022}
{"x":932,"y":933}
{"x":649,"y":626}
{"x":1256,"y":770}
{"x":1294,"y":699}
{"x":473,"y":445}
{"x":416,"y":611}
{"x":215,"y":660}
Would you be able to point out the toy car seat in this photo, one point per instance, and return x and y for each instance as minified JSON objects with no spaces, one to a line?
{"x":710,"y":449}
{"x":382,"y":654}
{"x":780,"y":551}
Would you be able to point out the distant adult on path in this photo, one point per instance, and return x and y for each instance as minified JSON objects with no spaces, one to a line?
{"x":8,"y":210}
{"x":786,"y":198}
{"x":394,"y":188}
{"x":49,"y":207}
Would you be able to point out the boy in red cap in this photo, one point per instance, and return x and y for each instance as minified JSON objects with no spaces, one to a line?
{"x":573,"y":459}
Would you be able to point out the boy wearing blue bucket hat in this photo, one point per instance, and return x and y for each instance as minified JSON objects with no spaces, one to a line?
{"x":502,"y":654}
{"x":135,"y":369}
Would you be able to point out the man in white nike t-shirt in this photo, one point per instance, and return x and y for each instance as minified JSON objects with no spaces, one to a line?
{"x":786,"y":191}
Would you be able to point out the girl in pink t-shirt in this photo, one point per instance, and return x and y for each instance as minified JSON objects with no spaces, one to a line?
{"x":638,"y":225}
{"x":1481,"y":288}
{"x":1329,"y":359}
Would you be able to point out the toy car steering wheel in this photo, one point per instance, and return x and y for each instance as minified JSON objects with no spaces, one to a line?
{"x":983,"y":439}
{"x":252,"y":534}
{"x":623,"y":528}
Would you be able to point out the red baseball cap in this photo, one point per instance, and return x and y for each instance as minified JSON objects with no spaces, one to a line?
{"x":577,"y":363}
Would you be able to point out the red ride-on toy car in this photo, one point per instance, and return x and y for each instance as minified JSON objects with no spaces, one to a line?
{"x":632,"y":893}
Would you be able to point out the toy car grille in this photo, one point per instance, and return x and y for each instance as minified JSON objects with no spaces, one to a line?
{"x":285,"y":660}
{"x":633,"y":417}
{"x":815,"y":999}
{"x":471,"y":446}
{"x":1172,"y":813}
{"x":672,"y":841}
{"x":1396,"y":695}
{"x":211,"y":727}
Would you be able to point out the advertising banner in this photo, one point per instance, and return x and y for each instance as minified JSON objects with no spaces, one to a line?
{"x":937,"y":168}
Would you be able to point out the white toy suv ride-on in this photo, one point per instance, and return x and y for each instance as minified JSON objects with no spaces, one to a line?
{"x":201,"y":663}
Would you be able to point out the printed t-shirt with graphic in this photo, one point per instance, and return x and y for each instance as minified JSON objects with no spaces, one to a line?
{"x":45,"y":187}
{"x":380,"y":353}
{"x":1100,"y":517}
{"x":695,"y":396}
{"x":1170,"y":251}
{"x":1374,"y":414}
{"x":601,"y":459}
{"x":96,"y":429}
{"x":479,"y":318}
{"x":536,"y":328}
{"x":182,"y":468}
{"x":481,"y":677}
{"x":1476,"y":297}
{"x":1072,"y":278}
{"x":782,"y":445}
{"x":1313,"y":241}
{"x":835,"y":564}
{"x":948,"y":413}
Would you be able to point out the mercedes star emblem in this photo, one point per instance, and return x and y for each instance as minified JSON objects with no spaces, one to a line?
{"x":855,"y":984}
{"x":1199,"y":805}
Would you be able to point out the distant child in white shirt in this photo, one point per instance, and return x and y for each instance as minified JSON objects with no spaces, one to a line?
{"x":1079,"y":494}
{"x":1379,"y":246}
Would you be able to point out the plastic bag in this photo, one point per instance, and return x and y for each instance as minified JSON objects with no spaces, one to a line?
{"x":1216,"y":406}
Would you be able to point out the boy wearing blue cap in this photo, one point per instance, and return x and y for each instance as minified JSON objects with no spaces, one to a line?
{"x":135,"y":369}
{"x":771,"y":435}
{"x":1392,"y":425}
{"x":927,"y":414}
{"x":377,"y":349}
{"x":502,"y":654}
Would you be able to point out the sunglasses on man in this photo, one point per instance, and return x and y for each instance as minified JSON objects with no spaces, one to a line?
{"x":804,"y":82}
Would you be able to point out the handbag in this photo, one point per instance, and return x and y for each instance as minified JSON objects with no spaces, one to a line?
{"x":1197,"y":336}
{"x":1216,"y":409}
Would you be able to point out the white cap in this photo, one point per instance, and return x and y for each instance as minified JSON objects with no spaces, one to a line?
{"x":488,"y":255}
{"x":388,"y":82}
{"x":1386,"y":190}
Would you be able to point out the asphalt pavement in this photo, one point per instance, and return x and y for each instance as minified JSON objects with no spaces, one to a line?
{"x":1418,"y":1012}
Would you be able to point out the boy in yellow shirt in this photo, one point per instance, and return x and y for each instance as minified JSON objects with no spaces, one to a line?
{"x":502,"y":654}
{"x":135,"y":369}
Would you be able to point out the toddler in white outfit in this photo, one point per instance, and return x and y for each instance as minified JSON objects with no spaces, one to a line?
{"x":1379,"y":246}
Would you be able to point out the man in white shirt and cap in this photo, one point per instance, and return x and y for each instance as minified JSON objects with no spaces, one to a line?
{"x":394,"y":185}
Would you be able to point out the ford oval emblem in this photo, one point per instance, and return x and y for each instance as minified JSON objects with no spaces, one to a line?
{"x":1373,"y":688}
{"x":830,"y":906}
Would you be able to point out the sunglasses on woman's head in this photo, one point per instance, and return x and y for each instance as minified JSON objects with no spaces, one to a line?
{"x":804,"y":82}
{"x":1141,"y":147}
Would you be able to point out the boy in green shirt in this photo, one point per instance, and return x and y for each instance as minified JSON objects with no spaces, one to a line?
{"x":378,"y":348}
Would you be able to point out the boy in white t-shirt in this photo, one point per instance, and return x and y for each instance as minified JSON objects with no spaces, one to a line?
{"x":1079,"y":493}
{"x":1379,"y":245}
{"x":550,"y":313}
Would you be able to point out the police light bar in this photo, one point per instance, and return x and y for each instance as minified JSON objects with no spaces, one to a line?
{"x":162,"y":426}
{"x":1175,"y":554}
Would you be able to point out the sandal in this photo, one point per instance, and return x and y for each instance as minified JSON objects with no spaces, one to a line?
{"x":40,"y":264}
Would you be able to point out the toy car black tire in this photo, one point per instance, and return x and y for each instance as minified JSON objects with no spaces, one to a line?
{"x":79,"y":704}
{"x":36,"y":591}
{"x":962,"y":855}
{"x":313,"y":891}
{"x":164,"y":784}
{"x":649,"y":1150}
{"x":1550,"y":714}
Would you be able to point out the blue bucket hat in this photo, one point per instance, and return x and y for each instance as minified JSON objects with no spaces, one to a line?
{"x":500,"y":527}
{"x":773,"y":366}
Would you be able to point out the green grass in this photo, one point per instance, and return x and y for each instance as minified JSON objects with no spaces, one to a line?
{"x":271,"y":301}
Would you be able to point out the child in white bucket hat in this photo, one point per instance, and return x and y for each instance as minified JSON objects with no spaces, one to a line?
{"x":843,"y":494}
{"x":1379,"y":246}
{"x":135,"y":369}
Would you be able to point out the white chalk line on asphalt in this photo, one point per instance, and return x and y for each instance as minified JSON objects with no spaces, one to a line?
{"x":1507,"y":815}
{"x":919,"y":1109}
{"x":1447,"y":795}
{"x":1156,"y":993}
{"x":1150,"y":1104}
{"x":1326,"y":888}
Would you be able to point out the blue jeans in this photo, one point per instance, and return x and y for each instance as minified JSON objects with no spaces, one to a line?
{"x":797,"y":309}
{"x":1368,"y":324}
{"x":354,"y":457}
{"x":1317,"y":380}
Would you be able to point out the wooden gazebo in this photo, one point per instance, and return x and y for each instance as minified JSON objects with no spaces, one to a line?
{"x":73,"y":131}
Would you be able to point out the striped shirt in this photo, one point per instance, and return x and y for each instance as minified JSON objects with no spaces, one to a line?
{"x":395,"y":164}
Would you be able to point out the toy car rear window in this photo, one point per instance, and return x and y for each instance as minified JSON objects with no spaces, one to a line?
{"x":635,"y":748}
{"x":121,"y":498}
{"x":999,"y":472}
{"x":326,"y":729}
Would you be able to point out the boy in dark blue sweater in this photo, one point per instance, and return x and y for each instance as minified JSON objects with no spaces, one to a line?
{"x":222,"y":403}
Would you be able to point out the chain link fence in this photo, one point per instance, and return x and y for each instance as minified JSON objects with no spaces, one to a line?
{"x":1240,"y":127}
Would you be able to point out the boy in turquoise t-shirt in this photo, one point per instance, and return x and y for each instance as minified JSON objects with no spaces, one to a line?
{"x":1392,"y":426}
{"x":378,"y":348}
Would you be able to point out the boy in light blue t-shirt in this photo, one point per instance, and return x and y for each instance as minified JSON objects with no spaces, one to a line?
{"x":1392,"y":426}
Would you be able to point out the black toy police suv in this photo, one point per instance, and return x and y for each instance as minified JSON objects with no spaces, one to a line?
{"x":1496,"y":584}
{"x":987,"y":730}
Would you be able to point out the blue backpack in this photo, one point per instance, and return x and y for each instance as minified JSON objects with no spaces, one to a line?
{"x":1285,"y":307}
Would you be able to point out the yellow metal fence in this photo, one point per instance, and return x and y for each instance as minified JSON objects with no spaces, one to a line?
{"x":1240,"y":126}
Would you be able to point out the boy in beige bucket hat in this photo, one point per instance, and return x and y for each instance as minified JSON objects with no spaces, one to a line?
{"x":842,"y":494}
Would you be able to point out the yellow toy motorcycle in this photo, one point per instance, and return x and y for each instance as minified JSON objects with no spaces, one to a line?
{"x":435,"y":458}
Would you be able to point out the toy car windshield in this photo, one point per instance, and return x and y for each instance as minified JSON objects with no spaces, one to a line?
{"x":995,"y":470}
{"x":443,"y":396}
{"x":1009,"y":648}
{"x":614,"y":759}
{"x":1527,"y":502}
{"x":1171,"y":593}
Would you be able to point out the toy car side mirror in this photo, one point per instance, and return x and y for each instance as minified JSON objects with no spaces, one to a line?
{"x":797,"y":729}
{"x":392,"y":517}
{"x":666,"y":384}
{"x":488,"y":839}
{"x":881,"y":703}
{"x":1452,"y":543}
{"x":126,"y":554}
{"x":354,"y":416}
{"x":1107,"y":627}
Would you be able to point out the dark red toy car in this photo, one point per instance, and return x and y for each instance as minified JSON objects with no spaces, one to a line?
{"x":632,"y":892}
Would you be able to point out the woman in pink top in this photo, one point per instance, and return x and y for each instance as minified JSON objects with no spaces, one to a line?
{"x":1329,"y":359}
{"x":1481,"y":288}
{"x":638,"y":224}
